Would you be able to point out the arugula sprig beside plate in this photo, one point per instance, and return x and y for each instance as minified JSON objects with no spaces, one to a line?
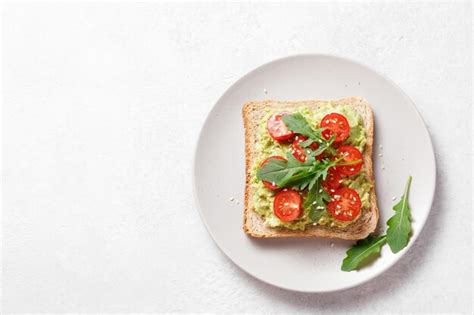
{"x":397,"y":237}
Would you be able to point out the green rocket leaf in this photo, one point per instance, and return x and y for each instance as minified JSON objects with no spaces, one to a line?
{"x":316,"y":201}
{"x":362,"y":250}
{"x":399,"y":225}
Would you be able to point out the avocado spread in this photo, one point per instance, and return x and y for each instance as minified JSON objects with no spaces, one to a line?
{"x":267,"y":146}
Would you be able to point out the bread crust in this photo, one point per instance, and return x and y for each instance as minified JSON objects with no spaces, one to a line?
{"x":253,"y":223}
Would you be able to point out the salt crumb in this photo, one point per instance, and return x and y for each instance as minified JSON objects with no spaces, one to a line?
{"x":394,"y":198}
{"x":380,"y":154}
{"x":265,"y":91}
{"x":237,"y":202}
{"x":231,"y":198}
{"x":332,"y":244}
{"x":380,"y":146}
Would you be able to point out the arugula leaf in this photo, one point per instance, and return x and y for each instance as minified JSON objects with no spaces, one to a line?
{"x":273,"y":171}
{"x":362,"y":250}
{"x":302,"y":181}
{"x":297,"y":123}
{"x":316,"y":201}
{"x":399,"y":227}
{"x":327,"y":165}
{"x":280,"y":171}
{"x":307,"y":143}
{"x":315,"y":214}
{"x":312,"y":182}
{"x":298,"y":170}
{"x":293,"y":173}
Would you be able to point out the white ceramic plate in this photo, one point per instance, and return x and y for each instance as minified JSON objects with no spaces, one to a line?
{"x":310,"y":265}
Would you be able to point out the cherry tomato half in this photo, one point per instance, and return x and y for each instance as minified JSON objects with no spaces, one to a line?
{"x":345,"y":204}
{"x":287,"y":205}
{"x":332,"y":181}
{"x":337,"y":125}
{"x":277,"y":128}
{"x":267,"y":184}
{"x":350,"y":154}
{"x":300,"y":153}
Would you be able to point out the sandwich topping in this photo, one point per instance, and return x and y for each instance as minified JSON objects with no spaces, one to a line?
{"x":310,"y":168}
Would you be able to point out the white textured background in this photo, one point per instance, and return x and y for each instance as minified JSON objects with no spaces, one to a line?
{"x":102,"y":107}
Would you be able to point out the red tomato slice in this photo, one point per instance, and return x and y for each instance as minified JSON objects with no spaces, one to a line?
{"x":300,"y":153}
{"x":277,"y":128}
{"x":336,"y":125}
{"x":287,"y":205}
{"x":332,"y":181}
{"x":267,"y":184}
{"x":350,"y":154}
{"x":345,"y":204}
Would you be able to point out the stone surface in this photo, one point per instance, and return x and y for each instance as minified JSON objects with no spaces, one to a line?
{"x":102,"y":107}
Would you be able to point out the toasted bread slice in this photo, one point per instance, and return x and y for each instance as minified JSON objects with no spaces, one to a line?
{"x":254,"y":225}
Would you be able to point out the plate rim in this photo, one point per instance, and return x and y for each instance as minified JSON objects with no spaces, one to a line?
{"x":283,"y":59}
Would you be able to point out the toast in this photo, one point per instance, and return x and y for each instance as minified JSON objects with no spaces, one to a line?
{"x":253,"y":223}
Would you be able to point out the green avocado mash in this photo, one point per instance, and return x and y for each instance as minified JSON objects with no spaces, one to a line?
{"x":266,"y":146}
